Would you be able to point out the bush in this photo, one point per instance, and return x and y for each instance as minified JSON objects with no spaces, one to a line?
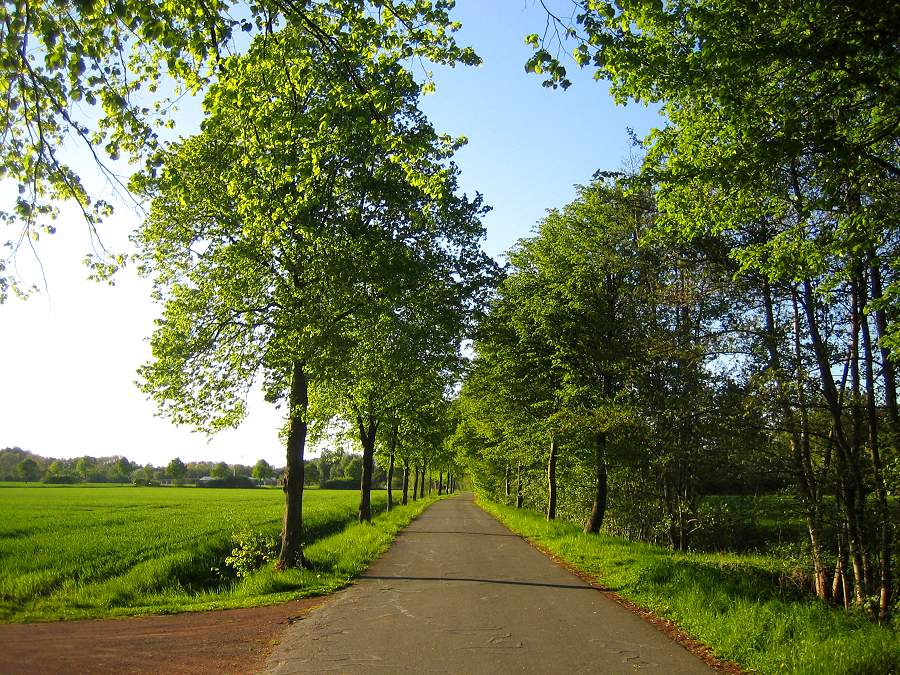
{"x":252,"y":550}
{"x":61,"y":480}
{"x":229,"y":482}
{"x":340,"y":484}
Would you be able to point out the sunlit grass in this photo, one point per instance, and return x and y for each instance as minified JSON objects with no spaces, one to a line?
{"x":71,"y":552}
{"x":739,"y":605}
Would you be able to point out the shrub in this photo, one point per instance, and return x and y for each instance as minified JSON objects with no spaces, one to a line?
{"x":341,"y":484}
{"x":61,"y":480}
{"x":252,"y":550}
{"x":229,"y":482}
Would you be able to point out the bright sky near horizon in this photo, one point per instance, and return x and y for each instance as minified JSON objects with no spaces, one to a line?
{"x":68,"y":356}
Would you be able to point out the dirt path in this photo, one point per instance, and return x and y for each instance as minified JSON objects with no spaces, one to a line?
{"x":228,"y":641}
{"x":459,"y":593}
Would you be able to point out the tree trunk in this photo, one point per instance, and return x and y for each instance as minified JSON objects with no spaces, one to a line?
{"x":440,"y":483}
{"x":598,"y":511}
{"x":405,"y":499}
{"x":507,"y":483}
{"x":839,"y":589}
{"x":810,"y":481}
{"x":520,"y":500}
{"x":415,"y":494}
{"x":848,"y":469}
{"x":424,"y":474}
{"x":884,"y":515}
{"x":551,"y":478}
{"x":390,"y":471}
{"x":887,"y":365}
{"x":799,"y":436}
{"x":292,"y":528}
{"x":367,"y":430}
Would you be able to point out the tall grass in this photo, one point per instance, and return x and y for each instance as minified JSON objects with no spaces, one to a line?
{"x":71,"y":552}
{"x":739,"y":605}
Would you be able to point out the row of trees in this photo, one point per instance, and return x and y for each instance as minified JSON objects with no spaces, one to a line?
{"x":311,"y":238}
{"x":731,"y":306}
{"x":18,"y":464}
{"x":628,"y":365}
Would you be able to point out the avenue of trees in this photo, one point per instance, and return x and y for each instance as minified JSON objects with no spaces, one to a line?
{"x":723,"y":319}
{"x":311,"y":238}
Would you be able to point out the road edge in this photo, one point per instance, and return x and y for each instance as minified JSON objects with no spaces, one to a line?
{"x":666,"y":626}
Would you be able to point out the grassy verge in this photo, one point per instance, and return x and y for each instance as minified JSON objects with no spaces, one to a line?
{"x":84,"y":552}
{"x":733,"y":603}
{"x":333,"y":562}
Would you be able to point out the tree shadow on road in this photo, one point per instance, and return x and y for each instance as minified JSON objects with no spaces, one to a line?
{"x":479,"y":580}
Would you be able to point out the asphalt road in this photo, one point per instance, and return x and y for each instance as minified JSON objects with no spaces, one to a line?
{"x":458,"y":593}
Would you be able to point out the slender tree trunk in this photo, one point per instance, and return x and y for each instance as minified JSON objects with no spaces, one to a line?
{"x":810,"y":482}
{"x":520,"y":499}
{"x":551,"y":478}
{"x":884,"y":515}
{"x":839,"y":588}
{"x":887,"y":365}
{"x":669,"y":502}
{"x":367,"y":429}
{"x":598,"y":511}
{"x":405,"y":499}
{"x":424,"y":475}
{"x":799,"y":436}
{"x":292,"y":529}
{"x":415,"y":494}
{"x":857,"y":441}
{"x":507,"y":483}
{"x":847,"y":466}
{"x":440,"y":483}
{"x":390,"y":472}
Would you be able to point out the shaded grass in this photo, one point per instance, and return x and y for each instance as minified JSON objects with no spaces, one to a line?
{"x":74,"y":552}
{"x":733,"y":603}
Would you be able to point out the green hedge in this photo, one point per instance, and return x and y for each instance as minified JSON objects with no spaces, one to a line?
{"x":61,"y":480}
{"x":229,"y":482}
{"x":340,"y":484}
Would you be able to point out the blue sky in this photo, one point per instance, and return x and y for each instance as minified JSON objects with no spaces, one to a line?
{"x":68,"y":356}
{"x":528,"y":145}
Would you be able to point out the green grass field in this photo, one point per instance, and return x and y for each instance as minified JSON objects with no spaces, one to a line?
{"x":92,"y":551}
{"x":740,"y":605}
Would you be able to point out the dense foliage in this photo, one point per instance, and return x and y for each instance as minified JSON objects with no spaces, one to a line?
{"x":108,"y":75}
{"x":311,"y":237}
{"x":725,"y":319}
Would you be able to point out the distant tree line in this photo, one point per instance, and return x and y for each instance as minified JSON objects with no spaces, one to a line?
{"x":17,"y":464}
{"x":334,"y":469}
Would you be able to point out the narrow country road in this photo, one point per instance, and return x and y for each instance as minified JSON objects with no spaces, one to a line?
{"x":458,"y":593}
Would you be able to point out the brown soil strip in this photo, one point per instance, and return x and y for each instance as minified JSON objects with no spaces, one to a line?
{"x":225,"y":641}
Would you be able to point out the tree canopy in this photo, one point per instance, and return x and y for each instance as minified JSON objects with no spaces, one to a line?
{"x":108,"y":75}
{"x":316,"y":206}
